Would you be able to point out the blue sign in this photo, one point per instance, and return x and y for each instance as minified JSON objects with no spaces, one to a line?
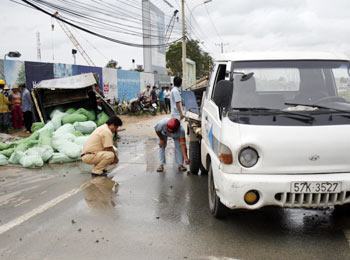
{"x":128,"y":84}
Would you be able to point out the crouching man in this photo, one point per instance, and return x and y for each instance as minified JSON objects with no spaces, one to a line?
{"x":98,"y":149}
{"x":172,"y":128}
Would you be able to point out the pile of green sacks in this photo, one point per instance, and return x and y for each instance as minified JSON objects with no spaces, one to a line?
{"x":59,"y":141}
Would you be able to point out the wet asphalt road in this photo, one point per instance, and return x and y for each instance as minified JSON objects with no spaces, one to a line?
{"x":59,"y":212}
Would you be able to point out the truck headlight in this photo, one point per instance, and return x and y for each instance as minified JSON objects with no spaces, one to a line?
{"x":248,"y":157}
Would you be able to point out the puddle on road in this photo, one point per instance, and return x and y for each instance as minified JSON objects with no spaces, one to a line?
{"x":100,"y":192}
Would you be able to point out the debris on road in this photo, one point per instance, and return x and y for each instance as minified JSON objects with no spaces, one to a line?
{"x":59,"y":141}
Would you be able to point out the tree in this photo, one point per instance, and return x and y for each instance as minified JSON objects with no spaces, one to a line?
{"x":112,"y":64}
{"x":174,"y":58}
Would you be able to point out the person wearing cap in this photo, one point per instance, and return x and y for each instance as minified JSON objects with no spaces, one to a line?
{"x":16,"y":111}
{"x":98,"y":149}
{"x":173,"y":129}
{"x":4,"y":109}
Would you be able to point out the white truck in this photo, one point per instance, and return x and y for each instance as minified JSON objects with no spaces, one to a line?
{"x":274,"y":130}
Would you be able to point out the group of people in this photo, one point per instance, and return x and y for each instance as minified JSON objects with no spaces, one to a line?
{"x":99,"y":151}
{"x":160,"y":97}
{"x":15,"y":107}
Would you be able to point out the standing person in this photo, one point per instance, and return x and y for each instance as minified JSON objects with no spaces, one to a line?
{"x":4,"y":109}
{"x":172,"y":128}
{"x":8,"y":116}
{"x":167,"y":98}
{"x":161,"y":97}
{"x":16,"y":110}
{"x":27,"y":107}
{"x":98,"y":149}
{"x":175,"y":100}
{"x":154,"y":97}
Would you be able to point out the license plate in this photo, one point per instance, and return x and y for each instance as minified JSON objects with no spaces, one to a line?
{"x":315,"y":187}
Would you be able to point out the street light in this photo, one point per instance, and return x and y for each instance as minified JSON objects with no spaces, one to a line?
{"x":192,"y":10}
{"x":12,"y":54}
{"x":74,"y":52}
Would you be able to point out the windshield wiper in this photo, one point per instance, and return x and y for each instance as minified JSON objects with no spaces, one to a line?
{"x":317,"y":106}
{"x":293,"y":115}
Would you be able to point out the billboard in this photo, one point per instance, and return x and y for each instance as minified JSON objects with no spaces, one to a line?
{"x":153,"y":25}
{"x":36,"y":72}
{"x":110,"y":84}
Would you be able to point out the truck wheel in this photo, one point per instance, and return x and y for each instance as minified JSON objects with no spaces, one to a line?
{"x":195,"y":157}
{"x":217,"y":209}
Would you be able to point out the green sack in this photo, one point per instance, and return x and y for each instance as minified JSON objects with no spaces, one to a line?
{"x":45,"y":137}
{"x":4,"y":146}
{"x":45,"y":152}
{"x":63,"y":130}
{"x":36,"y":126}
{"x":72,"y":118}
{"x":77,"y":133}
{"x":102,"y":118}
{"x":90,"y":114}
{"x":31,"y":161}
{"x":81,"y":140}
{"x":70,"y":111}
{"x":15,"y":157}
{"x":56,"y":112}
{"x":26,"y":145}
{"x":3,"y":160}
{"x":7,"y":152}
{"x":61,"y":158}
{"x":85,"y":127}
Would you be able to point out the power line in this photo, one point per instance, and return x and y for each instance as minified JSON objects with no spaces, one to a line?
{"x":98,"y":34}
{"x":211,"y":20}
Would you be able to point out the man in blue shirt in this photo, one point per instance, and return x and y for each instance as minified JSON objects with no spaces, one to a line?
{"x":161,"y":97}
{"x":27,"y":107}
{"x":172,"y":128}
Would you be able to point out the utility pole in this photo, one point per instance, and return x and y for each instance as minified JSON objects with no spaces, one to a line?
{"x":184,"y":55}
{"x":38,"y":46}
{"x":221,"y":45}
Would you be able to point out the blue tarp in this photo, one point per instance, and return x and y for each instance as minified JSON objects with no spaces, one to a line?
{"x":128,"y":84}
{"x":190,"y":101}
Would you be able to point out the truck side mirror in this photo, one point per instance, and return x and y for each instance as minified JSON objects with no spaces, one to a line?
{"x":223,"y":94}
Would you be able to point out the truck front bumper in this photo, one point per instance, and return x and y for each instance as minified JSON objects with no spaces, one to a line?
{"x":275,"y":190}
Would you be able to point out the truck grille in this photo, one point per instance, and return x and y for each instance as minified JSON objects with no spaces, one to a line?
{"x":312,"y":200}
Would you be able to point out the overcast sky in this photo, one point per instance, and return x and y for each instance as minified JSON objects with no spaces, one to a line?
{"x":241,"y":25}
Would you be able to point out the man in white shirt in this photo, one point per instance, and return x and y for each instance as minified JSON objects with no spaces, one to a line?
{"x":167,"y":98}
{"x":175,"y":100}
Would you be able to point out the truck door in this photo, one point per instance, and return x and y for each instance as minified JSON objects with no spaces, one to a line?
{"x":211,"y":121}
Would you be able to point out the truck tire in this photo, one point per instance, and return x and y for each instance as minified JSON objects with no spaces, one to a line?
{"x":217,"y":209}
{"x":195,"y":157}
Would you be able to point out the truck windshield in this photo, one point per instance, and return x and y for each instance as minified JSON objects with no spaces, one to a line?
{"x":291,"y":85}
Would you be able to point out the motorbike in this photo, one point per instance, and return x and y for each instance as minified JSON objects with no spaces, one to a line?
{"x":148,"y":105}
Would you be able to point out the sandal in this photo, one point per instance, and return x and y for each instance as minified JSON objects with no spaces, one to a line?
{"x":182,"y":168}
{"x":160,"y":168}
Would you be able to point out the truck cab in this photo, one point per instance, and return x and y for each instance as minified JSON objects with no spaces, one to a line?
{"x":275,"y":131}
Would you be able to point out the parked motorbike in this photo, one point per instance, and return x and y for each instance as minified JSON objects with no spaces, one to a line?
{"x":148,"y":105}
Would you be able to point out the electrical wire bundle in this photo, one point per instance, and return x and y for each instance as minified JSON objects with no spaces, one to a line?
{"x":111,"y":20}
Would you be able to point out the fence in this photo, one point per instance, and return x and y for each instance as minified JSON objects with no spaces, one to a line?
{"x":122,"y":84}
